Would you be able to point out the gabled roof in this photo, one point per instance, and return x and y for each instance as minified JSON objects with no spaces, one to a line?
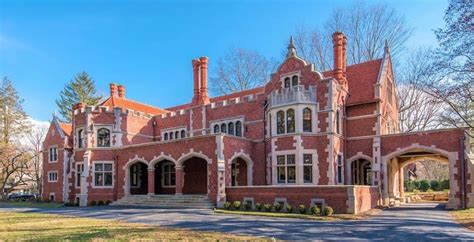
{"x":66,"y":128}
{"x":129,"y":104}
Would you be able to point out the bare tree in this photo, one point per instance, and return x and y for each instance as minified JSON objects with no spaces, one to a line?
{"x":432,"y":170}
{"x":35,"y":143}
{"x":14,"y":163}
{"x":239,"y":70}
{"x":314,"y":46}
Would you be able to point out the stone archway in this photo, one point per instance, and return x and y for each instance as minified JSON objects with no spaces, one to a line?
{"x":136,"y":177}
{"x":361,"y":172}
{"x":241,"y":170}
{"x":195,"y":176}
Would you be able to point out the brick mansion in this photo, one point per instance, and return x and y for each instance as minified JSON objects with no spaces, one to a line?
{"x":305,"y":137}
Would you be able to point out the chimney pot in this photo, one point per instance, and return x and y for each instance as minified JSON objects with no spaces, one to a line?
{"x":121,"y":91}
{"x":339,"y":44}
{"x":204,"y":96}
{"x":196,"y":78}
{"x":113,"y":89}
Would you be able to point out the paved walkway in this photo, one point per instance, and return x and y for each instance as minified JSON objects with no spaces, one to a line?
{"x":412,"y":222}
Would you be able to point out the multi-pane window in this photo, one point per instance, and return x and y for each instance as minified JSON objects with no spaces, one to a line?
{"x":169,"y":175}
{"x":171,"y":135}
{"x":103,"y":137}
{"x":79,"y":170}
{"x":294,"y":81}
{"x":280,"y":122}
{"x":339,"y":168}
{"x":103,"y":173}
{"x":216,"y":128}
{"x":230,"y":128}
{"x":135,"y":174}
{"x":52,"y":176}
{"x":290,"y":82}
{"x":286,"y":168}
{"x":183,"y":134}
{"x":166,"y":136}
{"x":238,"y":128}
{"x":287,"y":82}
{"x":223,"y":128}
{"x":53,"y":154}
{"x":307,"y":120}
{"x":174,"y":134}
{"x":80,"y":138}
{"x":290,"y":121}
{"x":307,"y":168}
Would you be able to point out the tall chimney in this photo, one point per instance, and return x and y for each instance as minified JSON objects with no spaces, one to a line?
{"x":340,"y":59}
{"x":121,"y":91}
{"x":113,"y":89}
{"x":197,"y":86}
{"x":204,"y":95}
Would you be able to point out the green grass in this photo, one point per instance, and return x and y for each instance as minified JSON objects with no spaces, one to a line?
{"x":31,"y":204}
{"x":334,"y":217}
{"x":47,"y":227}
{"x":464,"y":217}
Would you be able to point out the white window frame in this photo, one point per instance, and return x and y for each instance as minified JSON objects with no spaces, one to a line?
{"x":79,"y":128}
{"x":170,"y":174}
{"x":77,"y":182}
{"x":52,"y":172}
{"x":49,"y":154}
{"x":94,"y":171}
{"x":340,"y":178}
{"x":286,"y":165}
{"x":173,"y":130}
{"x":272,"y":117}
{"x":304,"y":165}
{"x":226,"y":122}
{"x":290,"y":75}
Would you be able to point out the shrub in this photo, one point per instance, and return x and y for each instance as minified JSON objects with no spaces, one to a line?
{"x":108,"y":202}
{"x":302,"y":208}
{"x":328,"y":211}
{"x":236,"y":205}
{"x":93,"y":203}
{"x":100,"y":203}
{"x":444,"y":184}
{"x":67,"y":204}
{"x":409,"y":186}
{"x":227,"y":205}
{"x":416,"y":191}
{"x":435,"y":185}
{"x":315,"y":210}
{"x":277,"y":207}
{"x":267,"y":207}
{"x":424,"y":185}
{"x":289,"y":208}
{"x":248,"y":206}
{"x":430,"y":191}
{"x":258,"y":206}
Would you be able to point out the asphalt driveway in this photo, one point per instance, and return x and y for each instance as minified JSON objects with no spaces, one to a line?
{"x":412,"y":222}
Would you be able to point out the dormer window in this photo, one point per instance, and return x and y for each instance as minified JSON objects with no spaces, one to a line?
{"x":294,"y":81}
{"x":166,"y":136}
{"x":80,"y":138}
{"x":290,"y":81}
{"x":103,"y":137}
{"x":287,"y":82}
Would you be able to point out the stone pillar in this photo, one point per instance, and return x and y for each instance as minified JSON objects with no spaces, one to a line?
{"x":401,"y":185}
{"x":179,"y":180}
{"x":151,"y":181}
{"x":385,"y":182}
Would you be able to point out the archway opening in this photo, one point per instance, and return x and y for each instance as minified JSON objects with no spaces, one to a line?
{"x":239,"y":172}
{"x":361,"y":170}
{"x":165,"y":177}
{"x":138,"y":177}
{"x":195,"y":176}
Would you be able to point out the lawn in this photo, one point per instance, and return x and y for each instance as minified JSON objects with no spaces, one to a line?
{"x":45,"y":227}
{"x":464,"y":217}
{"x":30,"y":204}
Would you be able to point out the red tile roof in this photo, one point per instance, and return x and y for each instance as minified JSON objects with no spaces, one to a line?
{"x":129,"y":104}
{"x":67,"y":128}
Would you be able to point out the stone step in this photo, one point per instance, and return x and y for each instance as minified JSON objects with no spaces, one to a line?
{"x":182,"y":201}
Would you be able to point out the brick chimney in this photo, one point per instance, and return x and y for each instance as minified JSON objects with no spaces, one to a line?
{"x":78,"y":106}
{"x":121,"y":91}
{"x":197,"y":86}
{"x":113,"y":89}
{"x":340,"y":59}
{"x":204,"y":95}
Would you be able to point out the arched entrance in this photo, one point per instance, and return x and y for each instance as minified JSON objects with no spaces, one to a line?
{"x":165,"y":177}
{"x":361,"y":172}
{"x":238,"y":172}
{"x":138,"y":178}
{"x":195,"y":176}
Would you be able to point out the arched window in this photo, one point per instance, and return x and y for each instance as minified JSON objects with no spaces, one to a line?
{"x":176,"y":134}
{"x":103,"y":137}
{"x":231,"y":128}
{"x":287,"y":82}
{"x":238,"y":128}
{"x":183,"y":134}
{"x":338,"y":122}
{"x":223,"y":128}
{"x":171,"y":135}
{"x":216,"y":128}
{"x":306,"y":120}
{"x":290,"y":121}
{"x":80,"y":138}
{"x":294,"y":81}
{"x":280,"y":122}
{"x":166,"y":136}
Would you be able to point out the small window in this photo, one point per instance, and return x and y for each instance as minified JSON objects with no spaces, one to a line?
{"x":307,"y":168}
{"x":339,"y":168}
{"x":52,"y":176}
{"x":79,"y":170}
{"x":294,"y":81}
{"x":290,"y":121}
{"x":166,"y":136}
{"x":231,"y":128}
{"x":103,"y":176}
{"x":238,"y":128}
{"x":338,"y":122}
{"x":53,"y":154}
{"x":171,"y":135}
{"x":216,"y":128}
{"x":80,"y":138}
{"x":280,"y":122}
{"x":307,"y":120}
{"x":183,"y":134}
{"x":287,"y":82}
{"x":176,"y":134}
{"x":223,"y":128}
{"x":103,"y":137}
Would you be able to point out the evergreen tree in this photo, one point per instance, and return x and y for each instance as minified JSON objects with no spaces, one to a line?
{"x":81,"y":89}
{"x":13,"y":119}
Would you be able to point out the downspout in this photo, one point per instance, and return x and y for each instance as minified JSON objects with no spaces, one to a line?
{"x":344,"y":137}
{"x":116,"y":176}
{"x":463,"y":174}
{"x":265,"y":106}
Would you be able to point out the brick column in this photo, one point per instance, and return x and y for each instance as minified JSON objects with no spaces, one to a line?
{"x":179,"y":180}
{"x":151,"y":181}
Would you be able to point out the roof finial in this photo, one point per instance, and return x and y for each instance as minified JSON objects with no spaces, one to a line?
{"x":386,"y":48}
{"x":291,"y":48}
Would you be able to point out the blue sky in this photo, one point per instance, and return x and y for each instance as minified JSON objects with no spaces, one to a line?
{"x":148,"y":45}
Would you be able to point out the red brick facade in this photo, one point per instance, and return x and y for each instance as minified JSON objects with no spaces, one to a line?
{"x":303,"y":136}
